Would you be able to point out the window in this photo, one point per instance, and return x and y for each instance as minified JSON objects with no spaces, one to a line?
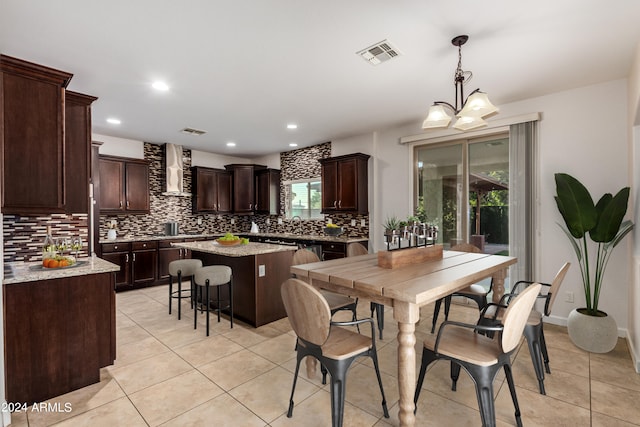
{"x":303,"y":199}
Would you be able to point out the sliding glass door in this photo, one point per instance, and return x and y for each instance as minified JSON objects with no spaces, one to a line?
{"x":463,"y":188}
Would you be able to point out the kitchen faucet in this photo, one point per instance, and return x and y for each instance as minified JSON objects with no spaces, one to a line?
{"x":299,"y":223}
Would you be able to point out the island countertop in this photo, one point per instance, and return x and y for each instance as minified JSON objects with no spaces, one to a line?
{"x":250,"y":249}
{"x":20,"y":272}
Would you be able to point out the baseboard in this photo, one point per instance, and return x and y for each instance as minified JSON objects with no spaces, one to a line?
{"x":634,"y":355}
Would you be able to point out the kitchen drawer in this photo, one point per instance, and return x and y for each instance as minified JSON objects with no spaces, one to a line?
{"x":139,"y":246}
{"x":116,"y":247}
{"x":167,"y":243}
{"x":334,"y":247}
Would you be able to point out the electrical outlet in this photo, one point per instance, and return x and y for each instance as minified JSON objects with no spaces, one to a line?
{"x":353,"y":222}
{"x":199,"y":221}
{"x":329,"y":221}
{"x":261,"y":270}
{"x":279,"y":221}
{"x":569,"y":297}
{"x":233,"y":221}
{"x":363,"y":223}
{"x":268,"y":221}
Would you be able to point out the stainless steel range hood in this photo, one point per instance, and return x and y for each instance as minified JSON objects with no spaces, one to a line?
{"x":174,"y":171}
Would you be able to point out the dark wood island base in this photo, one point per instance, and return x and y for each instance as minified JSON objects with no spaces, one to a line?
{"x":259,"y":270}
{"x":58,"y":334}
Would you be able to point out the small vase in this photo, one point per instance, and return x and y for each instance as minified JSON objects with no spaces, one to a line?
{"x":595,"y":334}
{"x":111,"y":234}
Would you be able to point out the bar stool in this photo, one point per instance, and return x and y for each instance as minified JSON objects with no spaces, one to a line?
{"x":213,"y":275}
{"x":182,"y":268}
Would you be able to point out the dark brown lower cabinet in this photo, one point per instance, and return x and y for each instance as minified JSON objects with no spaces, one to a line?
{"x":119,"y":254}
{"x":144,"y":257}
{"x":58,"y":334}
{"x":137,"y":260}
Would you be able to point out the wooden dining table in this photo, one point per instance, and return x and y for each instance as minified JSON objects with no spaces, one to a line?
{"x":406,"y":289}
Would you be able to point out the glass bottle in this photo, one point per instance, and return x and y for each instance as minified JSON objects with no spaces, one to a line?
{"x":48,"y":246}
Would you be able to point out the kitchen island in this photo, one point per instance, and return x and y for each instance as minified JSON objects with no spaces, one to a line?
{"x":258,"y":271}
{"x":59,"y":327}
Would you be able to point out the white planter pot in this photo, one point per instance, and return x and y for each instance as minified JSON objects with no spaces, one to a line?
{"x":592,"y":333}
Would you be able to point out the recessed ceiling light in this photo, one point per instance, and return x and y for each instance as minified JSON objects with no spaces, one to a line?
{"x":160,"y":86}
{"x":113,"y":121}
{"x":231,"y":144}
{"x":292,"y":126}
{"x":293,"y":144}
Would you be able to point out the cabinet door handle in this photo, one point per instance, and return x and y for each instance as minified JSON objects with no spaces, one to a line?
{"x":126,"y":257}
{"x":339,"y":203}
{"x":127,"y":204}
{"x":250,"y":206}
{"x":134,"y":257}
{"x":335,"y":203}
{"x":120,"y":203}
{"x":256,"y":207}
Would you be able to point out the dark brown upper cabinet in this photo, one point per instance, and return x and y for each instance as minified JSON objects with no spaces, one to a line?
{"x":244,"y":187}
{"x":32,"y":137}
{"x":345,"y":184}
{"x":77,"y":154}
{"x":212,"y":189}
{"x":124,"y":185}
{"x":267,"y":191}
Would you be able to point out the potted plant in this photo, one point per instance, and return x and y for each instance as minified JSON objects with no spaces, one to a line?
{"x":590,"y":328}
{"x":391,"y":224}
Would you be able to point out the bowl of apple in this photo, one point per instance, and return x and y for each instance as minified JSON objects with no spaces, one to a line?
{"x":228,"y":240}
{"x":333,"y":230}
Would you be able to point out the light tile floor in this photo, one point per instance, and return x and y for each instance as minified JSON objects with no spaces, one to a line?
{"x":167,"y":374}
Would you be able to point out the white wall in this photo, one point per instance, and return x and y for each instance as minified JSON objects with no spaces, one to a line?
{"x":210,"y":160}
{"x":271,"y":161}
{"x":114,"y":146}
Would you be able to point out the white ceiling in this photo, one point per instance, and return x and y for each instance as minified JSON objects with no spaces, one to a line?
{"x":242,"y":70}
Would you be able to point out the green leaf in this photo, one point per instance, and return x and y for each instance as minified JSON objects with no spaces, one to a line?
{"x":575,"y":205}
{"x":611,"y":212}
{"x":625,"y":228}
{"x":576,"y":248}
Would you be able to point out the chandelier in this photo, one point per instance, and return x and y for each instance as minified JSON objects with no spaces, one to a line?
{"x":470,"y":112}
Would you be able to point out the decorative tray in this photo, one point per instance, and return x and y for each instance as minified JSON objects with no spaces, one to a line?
{"x":41,"y":267}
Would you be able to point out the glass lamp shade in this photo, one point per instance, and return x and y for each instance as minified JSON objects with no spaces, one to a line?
{"x":469,"y":122}
{"x":478,"y":105}
{"x":437,"y":118}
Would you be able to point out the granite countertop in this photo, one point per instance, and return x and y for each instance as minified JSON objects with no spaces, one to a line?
{"x":144,"y":238}
{"x":250,"y":249}
{"x":316,"y":237}
{"x":20,"y":272}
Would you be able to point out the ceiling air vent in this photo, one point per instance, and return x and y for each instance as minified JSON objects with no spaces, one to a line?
{"x":192,"y":131}
{"x":379,"y":52}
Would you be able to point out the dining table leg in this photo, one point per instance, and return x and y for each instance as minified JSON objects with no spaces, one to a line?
{"x":498,"y":285}
{"x":406,"y":314}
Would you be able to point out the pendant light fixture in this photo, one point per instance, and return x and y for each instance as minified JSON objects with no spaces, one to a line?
{"x":471,"y":111}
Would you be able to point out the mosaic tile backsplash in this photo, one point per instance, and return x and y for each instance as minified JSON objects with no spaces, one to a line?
{"x":23,"y":236}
